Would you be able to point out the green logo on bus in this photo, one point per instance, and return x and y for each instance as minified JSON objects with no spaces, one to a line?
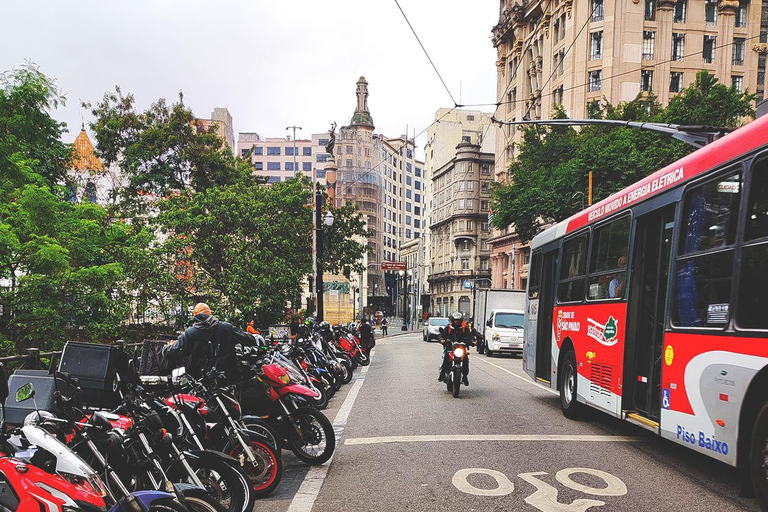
{"x":610,"y":331}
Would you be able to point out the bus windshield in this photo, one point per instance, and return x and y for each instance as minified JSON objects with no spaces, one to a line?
{"x":509,"y":320}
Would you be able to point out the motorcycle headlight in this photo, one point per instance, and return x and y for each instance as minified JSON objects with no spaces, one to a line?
{"x":285,"y":379}
{"x":459,"y":352}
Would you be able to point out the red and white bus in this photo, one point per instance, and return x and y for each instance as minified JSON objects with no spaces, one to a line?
{"x":652,"y":305}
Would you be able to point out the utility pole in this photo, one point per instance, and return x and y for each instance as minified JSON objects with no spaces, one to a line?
{"x":294,"y":128}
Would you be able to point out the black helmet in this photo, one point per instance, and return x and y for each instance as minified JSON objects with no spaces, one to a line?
{"x":456,"y":316}
{"x":324,"y":326}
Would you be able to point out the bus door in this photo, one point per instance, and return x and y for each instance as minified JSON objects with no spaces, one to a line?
{"x":646,"y":307}
{"x":546,"y":306}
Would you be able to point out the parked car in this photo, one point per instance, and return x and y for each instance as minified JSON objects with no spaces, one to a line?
{"x":431,"y":330}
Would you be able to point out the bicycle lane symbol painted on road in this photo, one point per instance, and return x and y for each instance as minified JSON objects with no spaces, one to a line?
{"x":545,"y":496}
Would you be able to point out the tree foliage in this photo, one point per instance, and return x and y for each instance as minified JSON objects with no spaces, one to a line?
{"x":549,"y":180}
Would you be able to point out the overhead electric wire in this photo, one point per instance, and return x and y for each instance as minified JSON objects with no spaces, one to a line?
{"x":455,"y":104}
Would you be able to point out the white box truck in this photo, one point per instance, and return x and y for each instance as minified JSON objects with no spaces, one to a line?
{"x":498,"y":321}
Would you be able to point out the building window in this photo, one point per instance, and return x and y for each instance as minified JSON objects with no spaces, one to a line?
{"x":307,"y":151}
{"x":322,"y":142}
{"x":408,"y":180}
{"x":289,"y":166}
{"x":259,"y":166}
{"x":708,"y":53}
{"x":596,"y":45}
{"x":408,"y":193}
{"x":483,"y":263}
{"x":407,"y":207}
{"x":738,"y":51}
{"x":710,"y":12}
{"x":273,"y":151}
{"x":464,"y":263}
{"x":417,"y":185}
{"x":483,"y":205}
{"x":418,"y":172}
{"x":306,"y":166}
{"x":484,"y":245}
{"x":417,"y":198}
{"x":408,"y":219}
{"x":485,"y":169}
{"x":649,"y":40}
{"x":273,"y":166}
{"x":258,"y":150}
{"x":598,"y":8}
{"x":556,"y":29}
{"x":350,"y":150}
{"x":680,"y":7}
{"x":650,"y":10}
{"x":244,"y":152}
{"x":678,"y":46}
{"x":562,"y":26}
{"x":741,"y":16}
{"x":462,"y":204}
{"x":737,"y":82}
{"x":349,"y":162}
{"x":289,"y":151}
{"x":274,"y":179}
{"x":321,"y":157}
{"x":416,"y":223}
{"x":646,"y":80}
{"x":675,"y":81}
{"x":595,"y":80}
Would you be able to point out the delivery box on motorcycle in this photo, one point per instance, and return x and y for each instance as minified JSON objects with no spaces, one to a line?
{"x":44,"y":385}
{"x":95,"y":367}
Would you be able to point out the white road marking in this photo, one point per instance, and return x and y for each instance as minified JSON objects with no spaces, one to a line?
{"x":524,"y":379}
{"x":305,"y":497}
{"x":615,"y":487}
{"x":545,"y":497}
{"x":504,"y":487}
{"x":493,"y":437}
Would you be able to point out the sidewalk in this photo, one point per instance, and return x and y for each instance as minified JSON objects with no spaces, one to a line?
{"x":395,"y":328}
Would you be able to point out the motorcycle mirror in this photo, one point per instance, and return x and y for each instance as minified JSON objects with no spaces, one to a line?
{"x":25,"y":392}
{"x":178,"y":372}
{"x":3,"y":383}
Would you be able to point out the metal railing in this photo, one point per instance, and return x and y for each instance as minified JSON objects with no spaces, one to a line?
{"x":33,"y":359}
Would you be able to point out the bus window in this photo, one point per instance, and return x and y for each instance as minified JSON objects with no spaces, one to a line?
{"x":752,"y":296}
{"x":608,"y":265}
{"x":711,"y":214}
{"x":703,"y":276}
{"x":534,"y":276}
{"x":573,"y":269}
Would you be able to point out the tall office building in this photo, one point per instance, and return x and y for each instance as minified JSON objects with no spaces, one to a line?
{"x":576,"y":52}
{"x":222,"y":121}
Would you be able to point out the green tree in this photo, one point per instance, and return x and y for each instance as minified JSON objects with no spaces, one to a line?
{"x":549,"y":180}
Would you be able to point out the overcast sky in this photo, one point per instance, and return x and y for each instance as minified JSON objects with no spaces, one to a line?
{"x":271,"y":63}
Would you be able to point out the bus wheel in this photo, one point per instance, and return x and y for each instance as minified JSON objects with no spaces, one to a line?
{"x":758,"y":457}
{"x":568,"y":386}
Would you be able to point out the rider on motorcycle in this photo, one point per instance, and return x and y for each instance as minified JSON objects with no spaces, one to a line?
{"x":455,"y":332}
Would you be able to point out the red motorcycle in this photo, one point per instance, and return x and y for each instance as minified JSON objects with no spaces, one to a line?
{"x":301,"y":427}
{"x":457,"y":355}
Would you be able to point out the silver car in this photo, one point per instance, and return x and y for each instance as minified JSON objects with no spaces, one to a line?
{"x":431,"y":330}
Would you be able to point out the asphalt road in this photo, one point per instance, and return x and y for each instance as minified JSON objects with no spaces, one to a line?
{"x":407,"y":444}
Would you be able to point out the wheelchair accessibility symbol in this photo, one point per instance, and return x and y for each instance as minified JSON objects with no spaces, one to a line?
{"x":665,"y":398}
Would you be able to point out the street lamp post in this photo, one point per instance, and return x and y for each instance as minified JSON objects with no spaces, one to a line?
{"x":294,"y":128}
{"x":404,"y":275}
{"x":319,"y":223}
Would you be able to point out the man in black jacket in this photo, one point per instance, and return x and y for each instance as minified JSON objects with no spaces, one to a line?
{"x":366,"y":336}
{"x":209,"y":343}
{"x":455,"y":332}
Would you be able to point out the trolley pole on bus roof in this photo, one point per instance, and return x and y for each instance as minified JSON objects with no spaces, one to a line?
{"x":590,"y":189}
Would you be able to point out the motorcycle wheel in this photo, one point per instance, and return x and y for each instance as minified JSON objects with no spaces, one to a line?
{"x":166,"y":505}
{"x":330,"y":384}
{"x":362,"y":358}
{"x":320,"y":402}
{"x":337,"y":382}
{"x":225,"y":482}
{"x":346,"y":364}
{"x":198,"y":500}
{"x":354,"y":362}
{"x":263,"y":427}
{"x":265,"y":476}
{"x":448,"y":382}
{"x":456,"y":382}
{"x":311,"y":436}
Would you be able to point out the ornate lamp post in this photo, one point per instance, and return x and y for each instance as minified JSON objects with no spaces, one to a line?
{"x":319,"y":223}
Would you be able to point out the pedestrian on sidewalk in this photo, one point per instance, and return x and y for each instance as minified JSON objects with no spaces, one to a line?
{"x":384,"y":324}
{"x":366,"y":336}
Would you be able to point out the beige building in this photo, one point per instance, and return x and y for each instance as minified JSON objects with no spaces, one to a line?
{"x":222,"y":120}
{"x":459,"y":228}
{"x":383,"y":177}
{"x":575,"y":52}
